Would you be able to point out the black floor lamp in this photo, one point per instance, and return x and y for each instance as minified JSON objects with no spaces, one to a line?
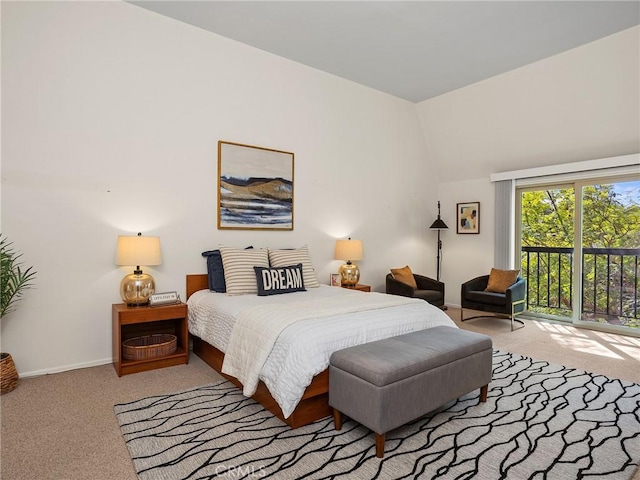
{"x":438,"y":225}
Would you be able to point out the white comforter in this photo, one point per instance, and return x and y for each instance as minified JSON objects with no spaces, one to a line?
{"x":303,"y":347}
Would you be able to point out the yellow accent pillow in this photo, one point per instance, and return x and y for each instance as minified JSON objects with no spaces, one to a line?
{"x":404,"y":275}
{"x":500,"y":280}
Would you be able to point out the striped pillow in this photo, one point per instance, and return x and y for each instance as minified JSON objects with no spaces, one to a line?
{"x":238,"y":264}
{"x":286,"y":258}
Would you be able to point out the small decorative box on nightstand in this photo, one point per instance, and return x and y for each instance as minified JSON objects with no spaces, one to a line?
{"x":132,"y":322}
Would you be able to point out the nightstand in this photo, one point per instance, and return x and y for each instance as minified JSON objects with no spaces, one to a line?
{"x":360,"y":286}
{"x":130,"y":322}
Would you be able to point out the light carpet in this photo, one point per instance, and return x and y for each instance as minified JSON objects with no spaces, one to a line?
{"x":540,"y":421}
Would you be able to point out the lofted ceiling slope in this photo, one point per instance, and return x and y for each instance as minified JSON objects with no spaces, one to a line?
{"x":414,"y":50}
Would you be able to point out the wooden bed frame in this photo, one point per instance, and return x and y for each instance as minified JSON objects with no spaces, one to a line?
{"x":314,"y":404}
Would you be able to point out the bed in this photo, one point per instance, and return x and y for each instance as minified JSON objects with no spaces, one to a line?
{"x":293,"y":382}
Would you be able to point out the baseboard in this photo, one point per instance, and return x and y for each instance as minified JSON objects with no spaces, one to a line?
{"x":66,"y":368}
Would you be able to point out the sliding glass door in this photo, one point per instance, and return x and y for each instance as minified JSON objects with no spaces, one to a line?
{"x":579,"y":251}
{"x":610,"y":243}
{"x":547,"y":249}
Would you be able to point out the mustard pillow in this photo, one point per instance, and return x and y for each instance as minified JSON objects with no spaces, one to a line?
{"x":404,"y":275}
{"x":500,"y":280}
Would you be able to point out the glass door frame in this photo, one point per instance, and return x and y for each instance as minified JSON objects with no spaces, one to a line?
{"x":518,"y":250}
{"x":578,"y":275}
{"x":577,"y":185}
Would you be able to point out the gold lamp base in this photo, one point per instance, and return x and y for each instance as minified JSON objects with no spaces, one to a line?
{"x":349,"y":274}
{"x":136,"y":288}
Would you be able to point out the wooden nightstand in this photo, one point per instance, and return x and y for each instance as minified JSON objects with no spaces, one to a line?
{"x":361,"y":287}
{"x":129,"y":322}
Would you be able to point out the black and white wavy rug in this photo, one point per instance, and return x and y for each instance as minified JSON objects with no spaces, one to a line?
{"x":540,"y":421}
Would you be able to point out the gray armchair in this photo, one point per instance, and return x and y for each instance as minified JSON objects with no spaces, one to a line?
{"x":507,"y":305}
{"x":428,"y":289}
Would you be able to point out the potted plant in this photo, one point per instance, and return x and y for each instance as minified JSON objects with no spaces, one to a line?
{"x":14,"y":280}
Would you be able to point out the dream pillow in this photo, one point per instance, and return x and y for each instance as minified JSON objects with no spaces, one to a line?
{"x":273,"y":281}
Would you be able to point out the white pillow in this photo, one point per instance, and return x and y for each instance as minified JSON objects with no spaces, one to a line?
{"x":286,"y":258}
{"x":238,"y":264}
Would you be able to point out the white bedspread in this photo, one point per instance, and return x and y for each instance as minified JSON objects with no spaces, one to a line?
{"x":257,"y":329}
{"x":303,"y":348}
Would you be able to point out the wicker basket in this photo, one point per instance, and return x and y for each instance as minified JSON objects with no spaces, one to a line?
{"x":149,"y":346}
{"x":8,"y":374}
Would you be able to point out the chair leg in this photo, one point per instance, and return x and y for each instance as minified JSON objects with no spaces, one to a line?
{"x":502,"y":315}
{"x":516,"y":320}
{"x":513,"y":315}
{"x":462,"y":319}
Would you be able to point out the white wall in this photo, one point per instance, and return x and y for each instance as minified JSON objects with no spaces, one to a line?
{"x":465,"y":256}
{"x":579,"y":105}
{"x":110,"y":120}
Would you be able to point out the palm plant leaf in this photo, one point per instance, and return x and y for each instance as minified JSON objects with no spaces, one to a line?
{"x":14,"y":278}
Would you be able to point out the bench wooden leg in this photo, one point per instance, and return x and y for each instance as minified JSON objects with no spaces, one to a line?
{"x":337,"y":419}
{"x":380,"y":445}
{"x":483,"y":393}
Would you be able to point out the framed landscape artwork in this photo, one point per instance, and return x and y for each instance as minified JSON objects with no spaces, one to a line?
{"x":255,"y":188}
{"x":468,"y":217}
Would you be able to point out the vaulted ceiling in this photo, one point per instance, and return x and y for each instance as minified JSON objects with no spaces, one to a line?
{"x":413,"y":50}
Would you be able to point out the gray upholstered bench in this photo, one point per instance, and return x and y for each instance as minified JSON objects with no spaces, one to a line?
{"x":386,"y":384}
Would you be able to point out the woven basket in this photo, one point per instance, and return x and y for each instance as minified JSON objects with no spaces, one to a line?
{"x":149,"y":346}
{"x":8,"y":374}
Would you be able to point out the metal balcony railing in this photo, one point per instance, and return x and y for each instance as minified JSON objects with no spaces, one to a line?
{"x":609,"y":283}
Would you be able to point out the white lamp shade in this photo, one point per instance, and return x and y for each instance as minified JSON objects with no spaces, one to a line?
{"x":348,"y":250}
{"x":138,"y":251}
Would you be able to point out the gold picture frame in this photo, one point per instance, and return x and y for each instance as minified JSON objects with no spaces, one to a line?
{"x":255,"y":187}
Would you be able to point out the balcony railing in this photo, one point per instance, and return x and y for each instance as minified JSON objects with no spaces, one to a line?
{"x":609,"y":283}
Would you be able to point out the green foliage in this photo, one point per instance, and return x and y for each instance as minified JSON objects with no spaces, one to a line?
{"x":14,"y":279}
{"x":547,"y":218}
{"x":607,"y":222}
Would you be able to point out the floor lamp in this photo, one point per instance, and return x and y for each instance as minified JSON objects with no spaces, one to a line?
{"x":438,"y":225}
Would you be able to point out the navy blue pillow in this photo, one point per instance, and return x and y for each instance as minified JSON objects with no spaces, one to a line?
{"x":215,"y":270}
{"x":272,"y":281}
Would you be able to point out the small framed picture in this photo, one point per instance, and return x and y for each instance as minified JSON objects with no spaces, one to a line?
{"x":468,"y":217}
{"x":165,"y":298}
{"x":334,"y":280}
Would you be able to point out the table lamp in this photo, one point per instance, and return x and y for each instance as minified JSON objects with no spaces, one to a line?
{"x":137,"y":287}
{"x":348,"y":250}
